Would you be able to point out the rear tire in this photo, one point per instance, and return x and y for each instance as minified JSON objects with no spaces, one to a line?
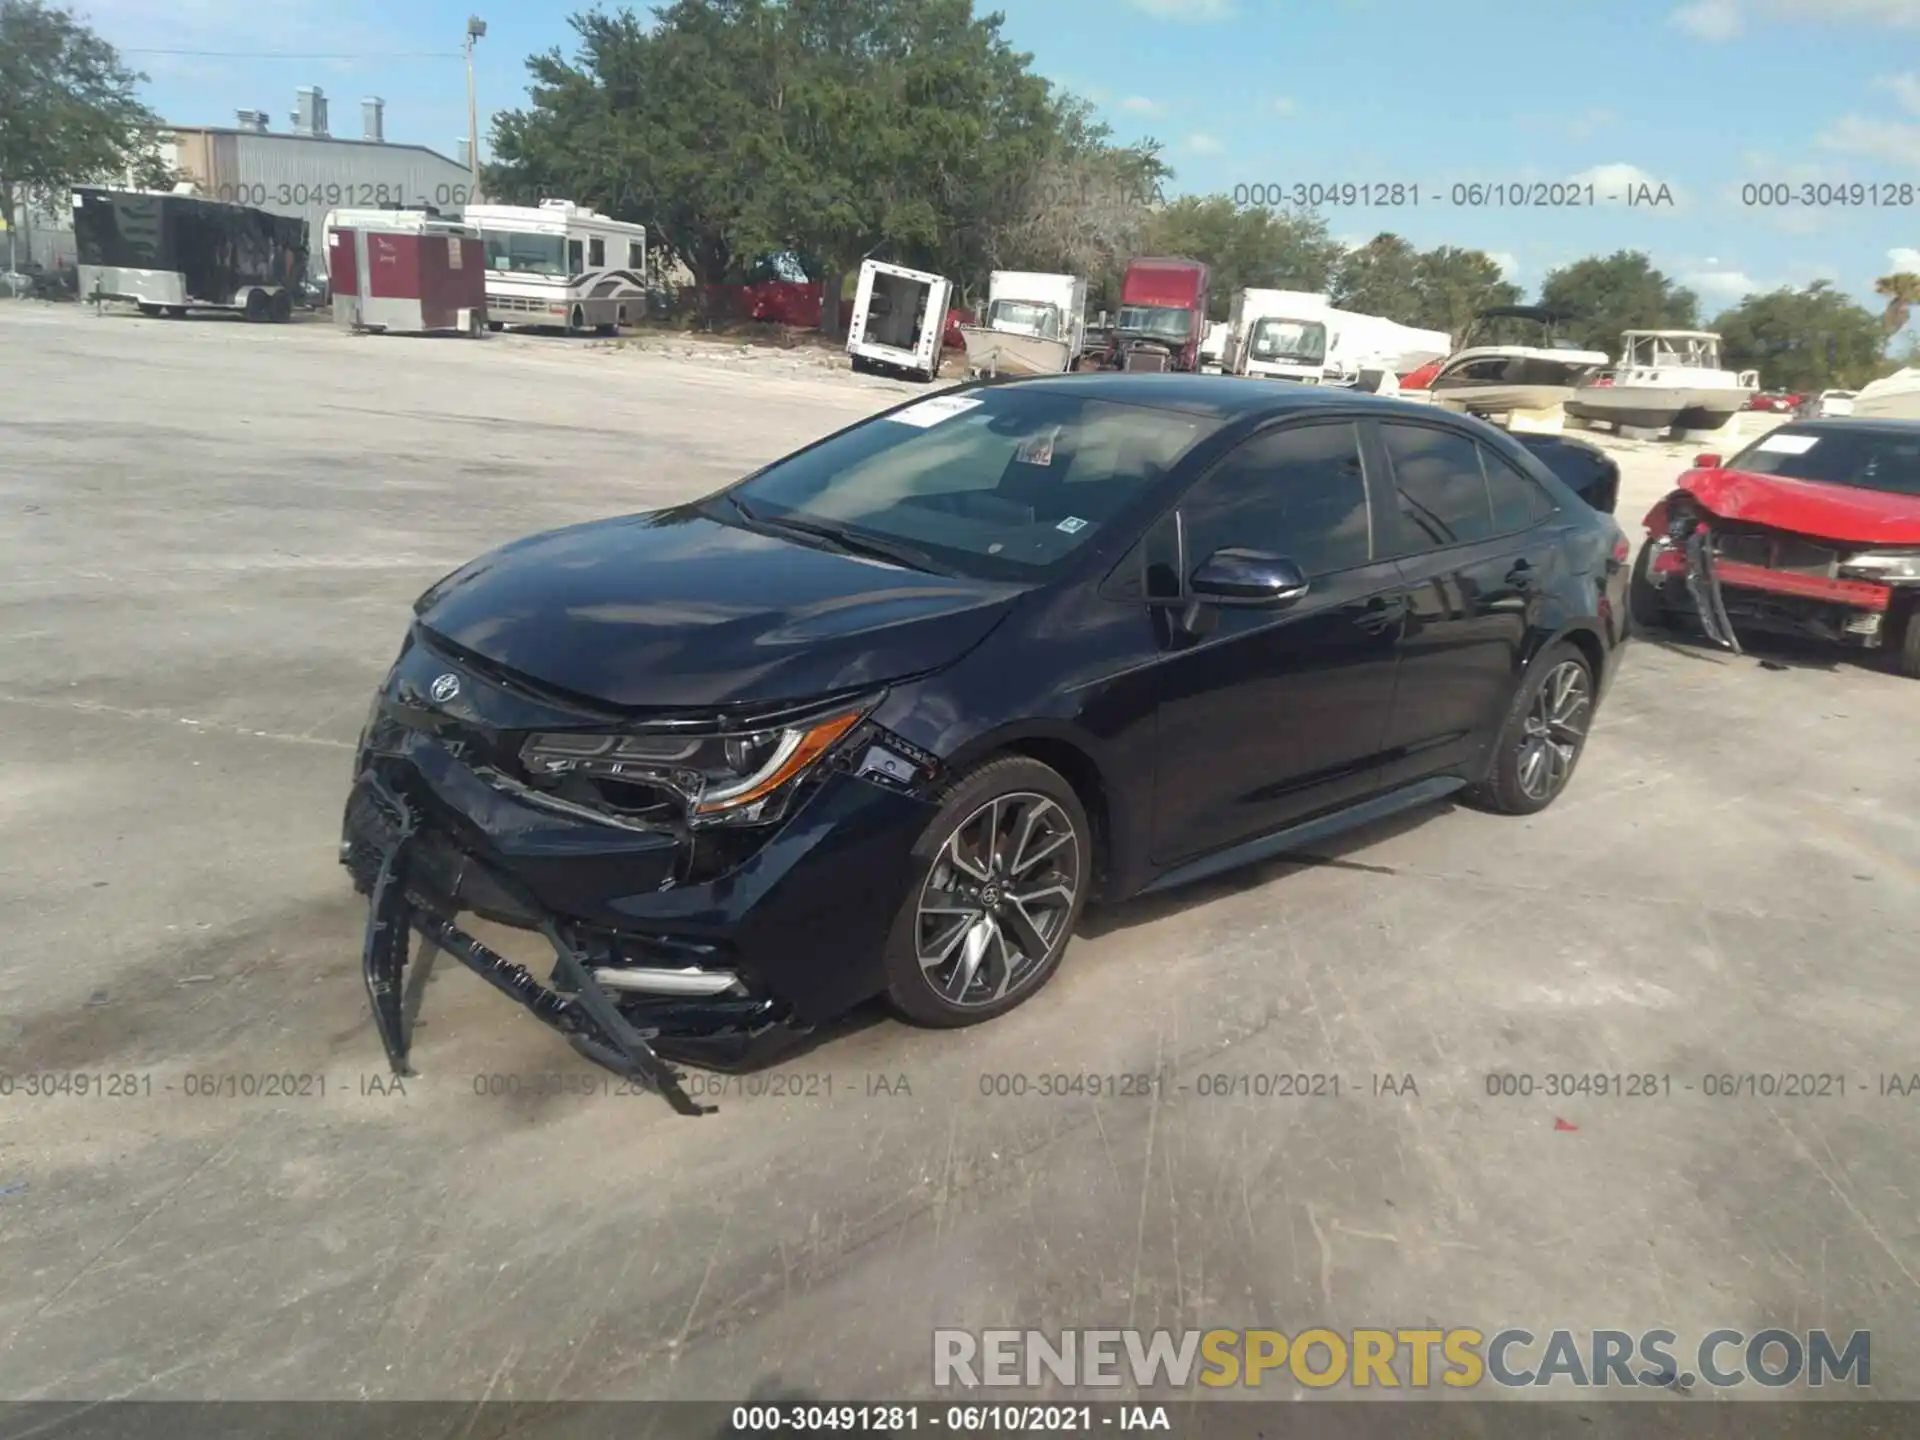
{"x":1543,"y":737}
{"x":1645,"y":607}
{"x":496,"y":326}
{"x":258,"y":306}
{"x":152,"y":312}
{"x":1001,"y":876}
{"x":280,"y":309}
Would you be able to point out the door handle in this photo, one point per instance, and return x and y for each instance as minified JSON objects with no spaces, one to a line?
{"x":1520,"y":577}
{"x":1380,"y":614}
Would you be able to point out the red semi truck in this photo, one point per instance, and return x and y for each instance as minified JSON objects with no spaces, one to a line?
{"x":1163,"y":316}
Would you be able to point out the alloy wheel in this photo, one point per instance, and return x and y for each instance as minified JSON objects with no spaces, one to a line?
{"x":1554,"y":730}
{"x":997,"y":900}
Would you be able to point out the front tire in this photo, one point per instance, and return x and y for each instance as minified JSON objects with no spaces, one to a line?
{"x":1544,"y":735}
{"x":1645,"y":607}
{"x":1907,"y":657}
{"x":1004,"y":870}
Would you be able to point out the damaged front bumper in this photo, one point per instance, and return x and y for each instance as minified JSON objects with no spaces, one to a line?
{"x":1783,"y":585}
{"x":403,"y":900}
{"x":711,"y":947}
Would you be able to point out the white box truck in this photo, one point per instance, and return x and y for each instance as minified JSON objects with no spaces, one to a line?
{"x":899,"y":319}
{"x":1036,"y":324}
{"x":1279,"y":334}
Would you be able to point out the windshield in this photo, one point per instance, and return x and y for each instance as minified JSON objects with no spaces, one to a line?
{"x":1302,"y":341}
{"x":1868,"y":459}
{"x":526,"y":254}
{"x":1000,"y":483}
{"x":1162,"y":322}
{"x":1025,"y":317}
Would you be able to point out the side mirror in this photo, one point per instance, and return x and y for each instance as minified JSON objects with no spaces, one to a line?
{"x":1706,"y":462}
{"x":1247,"y":577}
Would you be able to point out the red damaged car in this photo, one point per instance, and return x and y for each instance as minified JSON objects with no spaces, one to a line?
{"x":1813,"y":529}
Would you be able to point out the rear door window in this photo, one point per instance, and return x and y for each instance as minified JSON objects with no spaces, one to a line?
{"x":1439,"y":487}
{"x":1518,"y":501}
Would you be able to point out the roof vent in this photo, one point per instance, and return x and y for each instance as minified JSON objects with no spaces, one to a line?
{"x":373,"y":118}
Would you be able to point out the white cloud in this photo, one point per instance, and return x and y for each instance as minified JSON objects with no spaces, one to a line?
{"x":1351,"y":242}
{"x":1508,"y":262}
{"x":1584,"y":125}
{"x":1904,"y":259}
{"x":1283,"y":104}
{"x":1709,"y":19}
{"x":1201,"y":143}
{"x":1880,"y":139}
{"x":1141,"y":105}
{"x":1619,"y":183}
{"x":1726,"y":285}
{"x":1905,"y":88}
{"x":1197,"y":11}
{"x":1725,"y":19}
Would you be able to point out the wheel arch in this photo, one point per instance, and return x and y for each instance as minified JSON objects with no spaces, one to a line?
{"x":1068,"y":754}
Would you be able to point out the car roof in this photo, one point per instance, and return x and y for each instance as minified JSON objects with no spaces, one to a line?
{"x":1223,"y":396}
{"x":1851,"y":424}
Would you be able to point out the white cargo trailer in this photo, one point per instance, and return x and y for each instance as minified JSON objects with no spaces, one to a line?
{"x":899,"y":319}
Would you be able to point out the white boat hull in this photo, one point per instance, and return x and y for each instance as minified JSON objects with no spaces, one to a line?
{"x":1895,"y":398}
{"x":1658,"y":407}
{"x":1001,"y":352}
{"x":1495,"y":399}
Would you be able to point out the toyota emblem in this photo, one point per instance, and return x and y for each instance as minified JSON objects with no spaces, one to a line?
{"x":444,"y":688}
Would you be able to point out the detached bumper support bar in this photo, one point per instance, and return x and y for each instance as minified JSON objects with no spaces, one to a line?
{"x":588,"y":1018}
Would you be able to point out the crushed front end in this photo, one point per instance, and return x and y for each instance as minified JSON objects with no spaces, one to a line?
{"x":709,"y":883}
{"x":1734,"y":575}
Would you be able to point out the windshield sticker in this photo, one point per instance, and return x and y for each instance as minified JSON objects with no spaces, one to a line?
{"x":932,"y":412}
{"x":1038,"y":449}
{"x":1788,"y":444}
{"x":1073,"y":524}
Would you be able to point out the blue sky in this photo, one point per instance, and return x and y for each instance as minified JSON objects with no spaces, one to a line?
{"x":1702,"y":97}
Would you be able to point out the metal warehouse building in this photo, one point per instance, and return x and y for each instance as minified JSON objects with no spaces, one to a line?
{"x":305,"y":171}
{"x":308,"y":171}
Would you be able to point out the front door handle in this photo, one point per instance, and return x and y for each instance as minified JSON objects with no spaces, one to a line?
{"x":1381,"y":614}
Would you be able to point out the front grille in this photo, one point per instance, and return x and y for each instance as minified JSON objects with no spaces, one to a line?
{"x":1779,"y":552}
{"x":1142,"y":361}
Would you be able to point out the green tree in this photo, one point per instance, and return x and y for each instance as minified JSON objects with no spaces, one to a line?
{"x":1902,"y":291}
{"x":1381,"y":277}
{"x":68,"y":112}
{"x":1245,"y":247}
{"x":1454,"y":286}
{"x":1804,"y":340}
{"x":1604,"y":295}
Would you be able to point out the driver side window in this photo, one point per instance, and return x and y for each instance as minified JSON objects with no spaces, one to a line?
{"x":1298,"y":492}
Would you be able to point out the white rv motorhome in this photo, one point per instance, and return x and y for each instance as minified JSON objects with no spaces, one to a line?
{"x":557,"y":264}
{"x":1036,"y":324}
{"x":899,"y":319}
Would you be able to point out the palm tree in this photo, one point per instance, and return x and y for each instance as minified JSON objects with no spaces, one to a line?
{"x":1902,"y":290}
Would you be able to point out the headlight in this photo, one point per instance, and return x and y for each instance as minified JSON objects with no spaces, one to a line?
{"x":720,"y":779}
{"x":1889,"y":567}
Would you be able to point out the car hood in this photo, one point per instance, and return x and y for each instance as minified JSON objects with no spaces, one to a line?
{"x":673,"y":609}
{"x":1844,"y":513}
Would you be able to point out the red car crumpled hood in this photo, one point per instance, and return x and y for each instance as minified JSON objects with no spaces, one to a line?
{"x":1808,"y":507}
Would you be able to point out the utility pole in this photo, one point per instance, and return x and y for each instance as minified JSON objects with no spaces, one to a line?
{"x":476,"y":29}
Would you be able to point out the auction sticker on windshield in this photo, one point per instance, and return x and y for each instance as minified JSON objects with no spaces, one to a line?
{"x":1789,"y":444}
{"x":932,"y":412}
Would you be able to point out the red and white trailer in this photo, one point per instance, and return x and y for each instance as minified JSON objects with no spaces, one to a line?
{"x":408,"y":272}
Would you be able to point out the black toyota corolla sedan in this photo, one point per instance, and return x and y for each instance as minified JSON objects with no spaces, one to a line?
{"x":882,"y":717}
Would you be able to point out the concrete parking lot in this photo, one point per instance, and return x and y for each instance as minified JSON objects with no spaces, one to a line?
{"x":209,"y":536}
